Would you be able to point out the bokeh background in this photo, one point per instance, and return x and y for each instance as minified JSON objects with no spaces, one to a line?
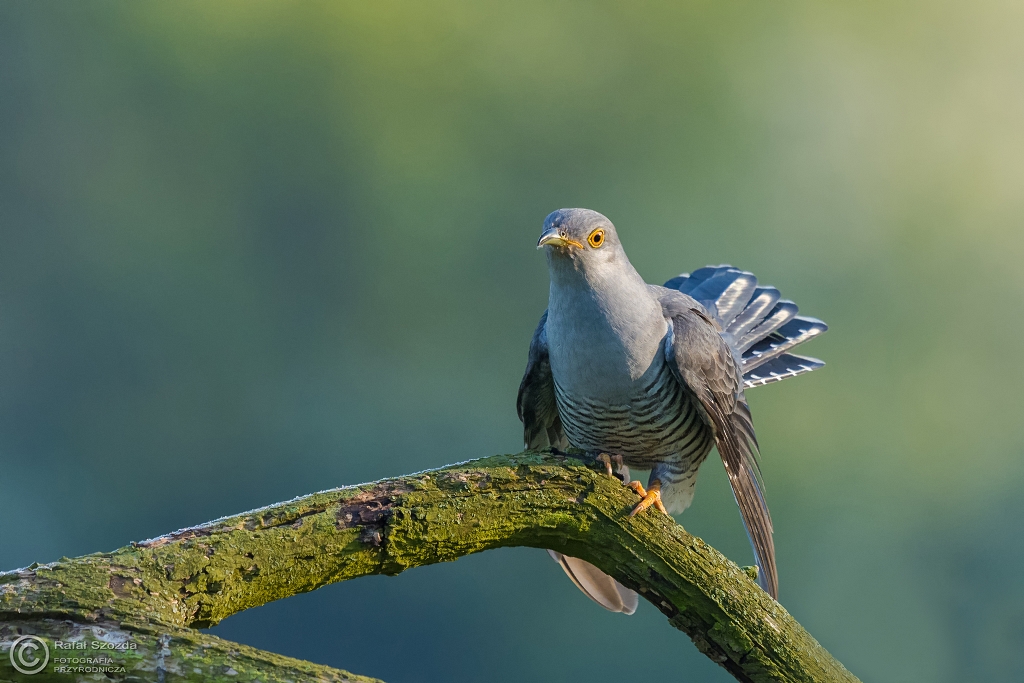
{"x":253,"y":250}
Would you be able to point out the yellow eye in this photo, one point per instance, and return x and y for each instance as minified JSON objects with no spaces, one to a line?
{"x":596,"y":238}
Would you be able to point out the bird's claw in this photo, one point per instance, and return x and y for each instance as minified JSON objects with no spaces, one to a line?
{"x":651,"y":496}
{"x":620,"y":471}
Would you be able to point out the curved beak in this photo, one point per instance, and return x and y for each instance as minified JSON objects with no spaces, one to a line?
{"x":554,"y":238}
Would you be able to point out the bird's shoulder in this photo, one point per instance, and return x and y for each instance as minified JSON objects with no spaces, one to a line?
{"x":676,"y":305}
{"x":701,"y":355}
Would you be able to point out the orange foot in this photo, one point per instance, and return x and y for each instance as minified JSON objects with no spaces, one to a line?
{"x":651,"y":496}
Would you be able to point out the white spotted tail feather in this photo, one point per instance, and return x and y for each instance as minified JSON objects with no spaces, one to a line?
{"x":759,"y":325}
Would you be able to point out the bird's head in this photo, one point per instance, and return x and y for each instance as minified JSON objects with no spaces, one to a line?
{"x":580,"y":238}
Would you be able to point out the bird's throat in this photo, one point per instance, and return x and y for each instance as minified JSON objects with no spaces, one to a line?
{"x":603,"y":332}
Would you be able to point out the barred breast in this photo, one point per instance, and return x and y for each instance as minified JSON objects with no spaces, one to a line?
{"x":658,"y":424}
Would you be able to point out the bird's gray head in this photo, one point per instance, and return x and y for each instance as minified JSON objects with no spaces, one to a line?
{"x":581,"y":240}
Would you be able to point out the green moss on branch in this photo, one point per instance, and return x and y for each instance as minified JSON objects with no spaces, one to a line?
{"x":172,"y":655}
{"x":196,"y":577}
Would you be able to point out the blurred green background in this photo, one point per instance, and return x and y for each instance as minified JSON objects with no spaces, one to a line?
{"x":253,"y":250}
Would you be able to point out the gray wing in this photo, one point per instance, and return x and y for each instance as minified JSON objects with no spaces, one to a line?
{"x":542,"y":427}
{"x":706,"y":366}
{"x":758,"y":324}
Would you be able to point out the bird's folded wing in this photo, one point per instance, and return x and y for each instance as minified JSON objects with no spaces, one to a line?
{"x":542,"y":427}
{"x":596,"y":585}
{"x":705,"y":365}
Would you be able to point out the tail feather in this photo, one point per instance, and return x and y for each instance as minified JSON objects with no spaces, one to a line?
{"x":727,"y":292}
{"x":687,"y":282}
{"x":781,"y":313}
{"x":596,"y":585}
{"x":783,"y":367}
{"x":763,"y":300}
{"x":796,"y":331}
{"x":760,"y":326}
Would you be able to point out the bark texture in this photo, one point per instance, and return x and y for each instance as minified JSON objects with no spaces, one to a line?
{"x":154,"y":593}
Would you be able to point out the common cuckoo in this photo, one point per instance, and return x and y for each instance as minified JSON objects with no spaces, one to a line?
{"x":653,"y":377}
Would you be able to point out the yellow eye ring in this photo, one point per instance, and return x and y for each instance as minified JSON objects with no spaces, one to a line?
{"x":596,"y":238}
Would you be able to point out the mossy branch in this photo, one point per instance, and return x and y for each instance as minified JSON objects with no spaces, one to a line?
{"x":156,"y":592}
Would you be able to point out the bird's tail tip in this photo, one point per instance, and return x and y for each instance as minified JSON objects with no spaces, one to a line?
{"x":596,"y":585}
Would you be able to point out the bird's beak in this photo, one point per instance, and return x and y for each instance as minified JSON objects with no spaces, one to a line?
{"x":554,"y":238}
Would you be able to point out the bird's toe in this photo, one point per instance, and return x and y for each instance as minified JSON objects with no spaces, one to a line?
{"x":649,"y":497}
{"x":613,"y":466}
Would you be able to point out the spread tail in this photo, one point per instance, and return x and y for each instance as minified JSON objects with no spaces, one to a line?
{"x":759,"y":325}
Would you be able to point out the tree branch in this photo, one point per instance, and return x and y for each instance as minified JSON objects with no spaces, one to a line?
{"x":155,"y":592}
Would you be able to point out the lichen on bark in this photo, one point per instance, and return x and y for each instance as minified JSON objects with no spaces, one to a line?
{"x":168,"y":586}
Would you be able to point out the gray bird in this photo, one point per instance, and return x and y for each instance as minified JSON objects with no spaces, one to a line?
{"x":652,"y":377}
